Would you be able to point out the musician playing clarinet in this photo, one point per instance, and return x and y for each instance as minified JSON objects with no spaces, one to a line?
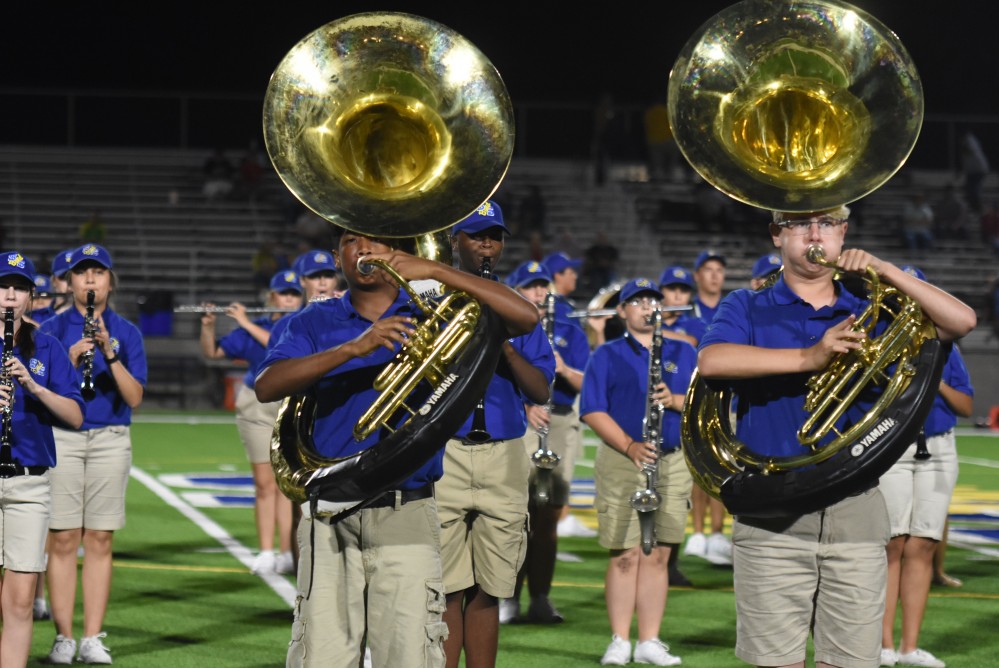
{"x":822,"y":572}
{"x":482,"y":497}
{"x":88,"y":487}
{"x":376,"y":574}
{"x":38,"y":388}
{"x":615,"y":401}
{"x":255,"y":420}
{"x":559,"y":421}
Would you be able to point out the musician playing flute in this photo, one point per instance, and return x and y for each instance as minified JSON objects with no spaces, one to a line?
{"x":38,"y":388}
{"x":377,"y":573}
{"x":255,"y":420}
{"x":88,"y":487}
{"x":483,"y":495}
{"x":564,"y":438}
{"x":615,"y":400}
{"x":822,"y":572}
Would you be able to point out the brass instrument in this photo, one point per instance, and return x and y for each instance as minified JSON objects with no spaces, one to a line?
{"x":392,"y":126}
{"x":8,"y":466}
{"x":544,"y":459}
{"x":478,"y":433}
{"x":647,"y":501}
{"x":90,"y":329}
{"x":801,"y":107}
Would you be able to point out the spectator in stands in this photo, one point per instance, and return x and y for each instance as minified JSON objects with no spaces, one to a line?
{"x":532,"y":212}
{"x":255,"y":420}
{"x":88,"y":486}
{"x":917,"y":223}
{"x":975,"y":167}
{"x":603,"y":138}
{"x":251,"y":170}
{"x":950,"y":215}
{"x":217,"y":171}
{"x":601,"y":262}
{"x":92,"y":230}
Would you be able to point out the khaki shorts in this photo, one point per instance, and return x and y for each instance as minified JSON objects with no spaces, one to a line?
{"x":24,"y":522}
{"x":88,"y":484}
{"x":617,"y":479}
{"x":255,"y":422}
{"x":917,"y":492}
{"x":482,"y":502}
{"x":375,"y":573}
{"x":564,"y":438}
{"x":830,"y":564}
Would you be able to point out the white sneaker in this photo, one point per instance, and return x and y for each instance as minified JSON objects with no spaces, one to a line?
{"x":889,"y":657}
{"x":63,"y":650}
{"x":573,"y":527}
{"x":618,"y":652}
{"x":92,"y":650}
{"x":656,"y":652}
{"x":40,"y":610}
{"x":509,"y":610}
{"x":264,"y":563}
{"x":697,"y":546}
{"x":719,"y":549}
{"x":568,"y":557}
{"x":920,"y":657}
{"x":284,"y":563}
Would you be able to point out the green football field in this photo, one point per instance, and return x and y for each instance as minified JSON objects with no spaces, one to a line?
{"x":183,"y":594}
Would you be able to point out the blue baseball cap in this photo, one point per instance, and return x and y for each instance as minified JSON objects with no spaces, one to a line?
{"x":92,"y":253}
{"x":559,"y":262}
{"x":676,"y":275}
{"x":43,"y":284}
{"x":767,"y":265}
{"x":708,"y":255}
{"x":16,"y":264}
{"x":638,"y":286}
{"x":60,"y":263}
{"x":913,"y":271}
{"x":530,"y":272}
{"x":314,"y":261}
{"x":286,"y":280}
{"x":487,"y":215}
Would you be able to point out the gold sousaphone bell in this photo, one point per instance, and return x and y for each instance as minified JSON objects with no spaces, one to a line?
{"x":395,"y":126}
{"x":803,"y":106}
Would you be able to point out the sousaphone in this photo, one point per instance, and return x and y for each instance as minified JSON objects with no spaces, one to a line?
{"x":393,"y":126}
{"x":804,"y":106}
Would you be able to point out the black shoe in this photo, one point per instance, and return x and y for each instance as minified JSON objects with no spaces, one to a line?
{"x":678,"y":579}
{"x":543,"y":612}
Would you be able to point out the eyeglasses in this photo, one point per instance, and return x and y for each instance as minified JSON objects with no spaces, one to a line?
{"x":802,"y":226}
{"x":651,"y":302}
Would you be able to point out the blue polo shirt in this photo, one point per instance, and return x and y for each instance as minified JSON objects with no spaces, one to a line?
{"x":617,"y":383}
{"x":504,"y":402}
{"x":703,"y":311}
{"x":563,"y":307}
{"x":107,"y":408}
{"x":32,"y":422}
{"x":571,"y":343}
{"x":345,"y":393}
{"x":772,"y":408}
{"x":942,"y":418}
{"x":240,"y":344}
{"x":689,"y":325}
{"x":40,"y":315}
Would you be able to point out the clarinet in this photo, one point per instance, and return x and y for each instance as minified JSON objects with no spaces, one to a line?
{"x":478,"y":433}
{"x":543,"y":458}
{"x":89,"y":332}
{"x":922,"y":452}
{"x":8,"y":467}
{"x":647,"y":501}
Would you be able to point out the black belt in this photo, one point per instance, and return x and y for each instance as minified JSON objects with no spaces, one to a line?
{"x":388,"y":499}
{"x":561,"y":410}
{"x":14,"y":470}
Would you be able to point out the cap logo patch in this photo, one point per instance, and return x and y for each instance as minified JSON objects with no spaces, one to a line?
{"x":643,"y":283}
{"x":289,"y":276}
{"x":320,"y":258}
{"x":90,"y":250}
{"x":486,"y":209}
{"x":36,"y":367}
{"x":16,"y":260}
{"x":533,"y":268}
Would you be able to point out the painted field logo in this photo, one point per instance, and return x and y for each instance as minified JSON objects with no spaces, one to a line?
{"x":872,"y":436}
{"x":438,"y":393}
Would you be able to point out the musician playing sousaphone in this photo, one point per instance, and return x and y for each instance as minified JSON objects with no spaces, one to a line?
{"x":255,"y":420}
{"x":38,"y":387}
{"x":88,"y":486}
{"x":616,"y":401}
{"x":559,"y":424}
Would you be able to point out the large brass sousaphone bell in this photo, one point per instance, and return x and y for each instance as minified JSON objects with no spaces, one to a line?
{"x":804,"y":106}
{"x":392,"y":125}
